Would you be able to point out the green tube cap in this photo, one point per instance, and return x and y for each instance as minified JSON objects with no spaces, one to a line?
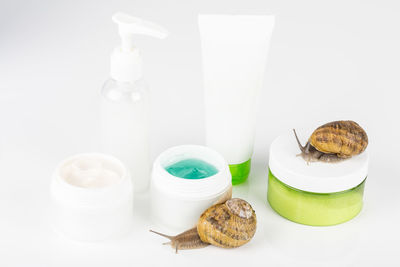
{"x":240,"y":172}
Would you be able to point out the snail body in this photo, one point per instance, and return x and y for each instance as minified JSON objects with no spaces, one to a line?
{"x":228,"y":225}
{"x":334,"y":141}
{"x":186,"y":240}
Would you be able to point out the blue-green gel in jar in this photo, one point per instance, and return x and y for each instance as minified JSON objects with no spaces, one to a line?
{"x":192,"y":168}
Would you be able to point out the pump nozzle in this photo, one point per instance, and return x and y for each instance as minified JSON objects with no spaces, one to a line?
{"x":126,"y":62}
{"x":129,"y":25}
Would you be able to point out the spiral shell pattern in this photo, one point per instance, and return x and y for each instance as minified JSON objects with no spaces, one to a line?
{"x":228,"y":225}
{"x":344,"y":138}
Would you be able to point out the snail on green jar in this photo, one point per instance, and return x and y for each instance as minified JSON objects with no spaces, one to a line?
{"x":334,"y":141}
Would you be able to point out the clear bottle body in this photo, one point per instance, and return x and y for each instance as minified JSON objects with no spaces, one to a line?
{"x":125,"y":127}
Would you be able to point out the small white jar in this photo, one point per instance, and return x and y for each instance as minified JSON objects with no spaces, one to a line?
{"x":92,"y":197}
{"x":177,"y":203}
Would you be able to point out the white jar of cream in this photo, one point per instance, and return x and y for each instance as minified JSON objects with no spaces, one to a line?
{"x":92,"y":197}
{"x":186,"y":180}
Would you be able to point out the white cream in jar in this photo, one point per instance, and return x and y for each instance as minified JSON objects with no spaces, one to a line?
{"x":92,"y":197}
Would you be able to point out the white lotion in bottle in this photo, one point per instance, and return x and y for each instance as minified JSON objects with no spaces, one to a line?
{"x":125,"y":101}
{"x":234,"y":51}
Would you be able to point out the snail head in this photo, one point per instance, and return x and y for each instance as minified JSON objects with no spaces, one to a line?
{"x":306,"y":151}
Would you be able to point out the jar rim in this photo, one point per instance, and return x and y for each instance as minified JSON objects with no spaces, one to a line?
{"x":191,"y":188}
{"x":104,"y":196}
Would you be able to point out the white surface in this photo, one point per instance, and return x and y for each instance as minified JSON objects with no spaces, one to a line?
{"x":177,"y":203}
{"x":234,"y":56}
{"x":318,"y":177}
{"x":327,"y":61}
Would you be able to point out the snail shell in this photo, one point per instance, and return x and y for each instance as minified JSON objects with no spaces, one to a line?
{"x":228,"y":225}
{"x":334,"y":141}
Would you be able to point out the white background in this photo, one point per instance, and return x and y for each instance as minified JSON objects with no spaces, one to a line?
{"x":328,"y":60}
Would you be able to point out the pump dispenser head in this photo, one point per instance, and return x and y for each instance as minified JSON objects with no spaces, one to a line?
{"x":126,"y":62}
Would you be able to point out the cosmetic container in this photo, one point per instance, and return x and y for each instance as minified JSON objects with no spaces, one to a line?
{"x":91,"y":197}
{"x":125,"y":101}
{"x":176,"y":202}
{"x":315,"y":193}
{"x":234,"y":51}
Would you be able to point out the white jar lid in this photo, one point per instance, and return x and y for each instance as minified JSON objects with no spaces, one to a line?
{"x":316,"y":177}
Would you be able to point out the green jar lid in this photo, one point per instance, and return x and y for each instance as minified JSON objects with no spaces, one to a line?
{"x":240,"y":172}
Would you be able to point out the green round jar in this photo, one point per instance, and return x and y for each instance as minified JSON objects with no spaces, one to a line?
{"x":318,"y":193}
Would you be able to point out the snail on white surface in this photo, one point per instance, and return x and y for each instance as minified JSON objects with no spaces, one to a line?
{"x":334,"y":141}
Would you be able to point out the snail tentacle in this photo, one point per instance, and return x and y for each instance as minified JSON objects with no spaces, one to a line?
{"x":164,"y":235}
{"x":302,"y":148}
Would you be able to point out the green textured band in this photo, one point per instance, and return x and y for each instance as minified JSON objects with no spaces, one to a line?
{"x":240,"y":172}
{"x":317,"y":209}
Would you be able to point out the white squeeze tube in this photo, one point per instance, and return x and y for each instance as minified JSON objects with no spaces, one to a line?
{"x":234,"y":51}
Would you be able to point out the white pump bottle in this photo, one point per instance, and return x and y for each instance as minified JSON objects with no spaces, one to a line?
{"x":125,"y":101}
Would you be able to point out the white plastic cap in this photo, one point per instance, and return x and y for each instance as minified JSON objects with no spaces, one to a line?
{"x":126,"y":62}
{"x":316,"y":177}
